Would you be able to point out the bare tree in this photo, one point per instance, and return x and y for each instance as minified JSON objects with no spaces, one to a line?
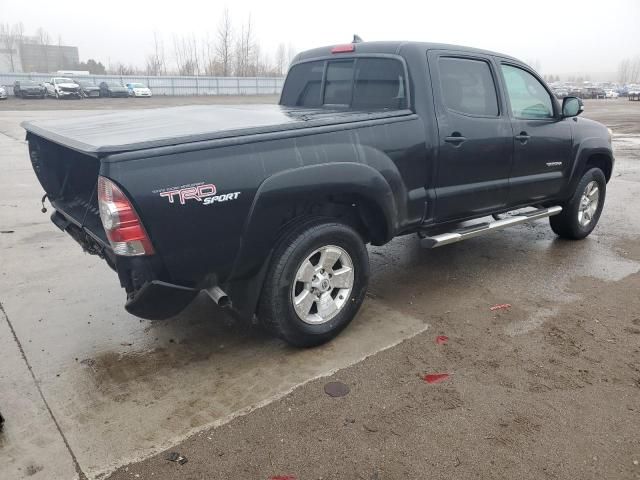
{"x":186,"y":55}
{"x":623,"y":71}
{"x":121,"y":69}
{"x":11,"y":37}
{"x":634,"y":70}
{"x":244,"y":51}
{"x":281,"y":59}
{"x":209,"y":61}
{"x":291,"y":53}
{"x":224,"y":43}
{"x":155,"y":62}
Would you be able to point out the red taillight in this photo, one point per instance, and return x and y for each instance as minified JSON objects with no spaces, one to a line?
{"x":349,"y":47}
{"x":121,"y":222}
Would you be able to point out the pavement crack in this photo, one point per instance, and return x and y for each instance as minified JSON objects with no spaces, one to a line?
{"x":79,"y":471}
{"x":8,"y":135}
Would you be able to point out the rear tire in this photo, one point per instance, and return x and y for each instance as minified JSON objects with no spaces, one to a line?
{"x":316,"y":282}
{"x":581,"y":213}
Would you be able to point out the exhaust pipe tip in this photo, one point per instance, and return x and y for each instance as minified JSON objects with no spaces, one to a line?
{"x":219,"y":296}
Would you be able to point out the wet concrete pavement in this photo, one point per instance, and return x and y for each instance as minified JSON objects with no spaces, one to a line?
{"x":84,"y":382}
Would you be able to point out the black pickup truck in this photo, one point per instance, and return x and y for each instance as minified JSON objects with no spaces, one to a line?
{"x":268,"y":208}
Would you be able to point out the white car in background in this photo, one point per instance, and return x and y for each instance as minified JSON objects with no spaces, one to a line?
{"x":61,"y":87}
{"x":611,"y":94}
{"x":138,"y":90}
{"x":3,"y":93}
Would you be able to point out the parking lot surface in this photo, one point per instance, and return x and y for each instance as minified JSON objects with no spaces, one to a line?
{"x":548,"y":388}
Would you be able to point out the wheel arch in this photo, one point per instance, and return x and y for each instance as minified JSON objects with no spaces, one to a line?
{"x":354,"y":193}
{"x":602,"y":161}
{"x":591,"y":153}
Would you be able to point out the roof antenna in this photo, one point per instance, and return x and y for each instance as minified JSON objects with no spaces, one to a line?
{"x":356,"y":39}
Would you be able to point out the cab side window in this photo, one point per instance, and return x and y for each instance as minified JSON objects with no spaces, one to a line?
{"x":468,"y":87}
{"x":529,"y":99}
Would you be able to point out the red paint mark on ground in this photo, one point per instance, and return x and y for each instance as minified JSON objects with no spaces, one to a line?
{"x":502,"y":306}
{"x":442,"y":339}
{"x":283,"y":477}
{"x":435,"y":377}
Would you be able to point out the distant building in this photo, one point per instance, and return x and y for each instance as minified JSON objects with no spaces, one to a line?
{"x":9,"y":60}
{"x":32,"y":56}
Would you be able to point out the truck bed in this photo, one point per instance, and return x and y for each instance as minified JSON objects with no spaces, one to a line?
{"x":99,"y":135}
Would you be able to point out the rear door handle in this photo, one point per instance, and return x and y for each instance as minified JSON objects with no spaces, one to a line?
{"x":455,"y":139}
{"x":523,"y":137}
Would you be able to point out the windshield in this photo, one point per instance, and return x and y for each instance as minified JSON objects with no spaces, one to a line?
{"x":28,"y":83}
{"x":136,"y":85}
{"x":63,"y":80}
{"x":85,"y":83}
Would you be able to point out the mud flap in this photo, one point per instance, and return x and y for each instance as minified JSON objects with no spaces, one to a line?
{"x":158,"y":300}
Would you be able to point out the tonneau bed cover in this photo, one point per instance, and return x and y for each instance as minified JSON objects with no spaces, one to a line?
{"x":113,"y":132}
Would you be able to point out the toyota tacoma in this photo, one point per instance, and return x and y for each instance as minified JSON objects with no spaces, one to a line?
{"x":269,"y":208}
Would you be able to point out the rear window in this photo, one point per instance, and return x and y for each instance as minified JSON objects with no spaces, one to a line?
{"x":371,"y":83}
{"x":337,"y":89}
{"x":303,"y":85}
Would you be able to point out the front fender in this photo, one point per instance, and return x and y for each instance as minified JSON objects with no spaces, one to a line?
{"x":586,"y":149}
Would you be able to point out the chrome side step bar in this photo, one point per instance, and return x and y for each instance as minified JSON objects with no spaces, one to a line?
{"x":487,"y":227}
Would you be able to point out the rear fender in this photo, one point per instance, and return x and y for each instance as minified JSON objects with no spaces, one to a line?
{"x":274,"y":208}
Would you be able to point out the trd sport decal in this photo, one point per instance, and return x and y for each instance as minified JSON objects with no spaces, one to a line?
{"x":206,"y":193}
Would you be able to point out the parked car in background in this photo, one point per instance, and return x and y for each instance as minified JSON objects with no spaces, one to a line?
{"x":89,"y":89}
{"x":594,"y":92}
{"x":28,"y":88}
{"x":113,"y":89}
{"x":138,"y":90}
{"x":62,"y":87}
{"x":576,"y":92}
{"x":3,"y":93}
{"x":560,"y":92}
{"x":611,"y":94}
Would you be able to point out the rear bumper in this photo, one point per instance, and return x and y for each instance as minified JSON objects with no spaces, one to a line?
{"x":148,"y":297}
{"x":158,"y":300}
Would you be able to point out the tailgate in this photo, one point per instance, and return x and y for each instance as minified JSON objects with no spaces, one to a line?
{"x":70,"y":180}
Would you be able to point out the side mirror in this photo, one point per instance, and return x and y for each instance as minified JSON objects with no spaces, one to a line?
{"x":572,"y":106}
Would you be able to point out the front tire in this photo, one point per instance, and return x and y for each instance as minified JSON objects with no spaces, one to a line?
{"x":581,"y":213}
{"x":316,"y":282}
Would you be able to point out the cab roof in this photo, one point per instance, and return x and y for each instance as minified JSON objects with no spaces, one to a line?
{"x":394,"y":48}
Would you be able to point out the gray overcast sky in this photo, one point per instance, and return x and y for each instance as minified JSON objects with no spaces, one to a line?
{"x":565,"y":36}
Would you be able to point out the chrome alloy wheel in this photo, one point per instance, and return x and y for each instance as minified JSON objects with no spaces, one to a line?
{"x":323,"y":285}
{"x":588,"y":203}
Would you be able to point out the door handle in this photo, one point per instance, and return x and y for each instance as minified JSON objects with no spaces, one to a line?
{"x":455,"y":139}
{"x":523,"y":137}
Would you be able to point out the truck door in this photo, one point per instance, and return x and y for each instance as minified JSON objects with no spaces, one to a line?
{"x":542,"y":138}
{"x":475,"y":137}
